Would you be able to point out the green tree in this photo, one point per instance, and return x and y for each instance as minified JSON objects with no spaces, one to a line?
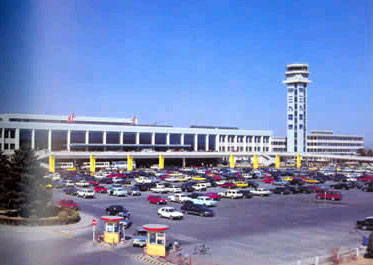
{"x":361,"y":152}
{"x":22,"y":185}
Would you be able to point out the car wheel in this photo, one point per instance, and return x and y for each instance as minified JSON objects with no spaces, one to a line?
{"x":282,"y":193}
{"x":201,"y":214}
{"x":333,"y":198}
{"x":318,"y":197}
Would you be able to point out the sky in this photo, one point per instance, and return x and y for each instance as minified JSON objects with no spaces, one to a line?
{"x":185,"y":63}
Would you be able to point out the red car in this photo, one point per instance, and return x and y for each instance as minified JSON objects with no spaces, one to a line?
{"x":228,"y":185}
{"x":329,"y":195}
{"x":156,"y":199}
{"x":68,"y":204}
{"x":366,"y":178}
{"x":217,"y":177}
{"x":118,"y":175}
{"x":315,"y":188}
{"x":268,"y":180}
{"x":213,"y":195}
{"x":100,"y":189}
{"x":94,"y":182}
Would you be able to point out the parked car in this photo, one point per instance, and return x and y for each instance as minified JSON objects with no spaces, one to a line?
{"x":170,"y":213}
{"x":134,"y":191}
{"x":173,"y":189}
{"x":203,"y":200}
{"x":118,"y":191}
{"x":366,"y":224}
{"x":199,"y":187}
{"x":117,"y":210}
{"x":281,"y":190}
{"x":246,"y":194}
{"x":260,"y":192}
{"x":329,"y":195}
{"x":68,"y":204}
{"x":70,"y":191}
{"x":228,"y":185}
{"x":305,"y":189}
{"x":82,"y":183}
{"x":191,"y":208}
{"x":139,"y":237}
{"x":156,"y":199}
{"x":293,"y":188}
{"x":179,"y":198}
{"x":195,"y":195}
{"x":340,"y":186}
{"x":100,"y":189}
{"x":213,"y":195}
{"x":187,"y":187}
{"x":368,"y":187}
{"x":159,"y":188}
{"x":231,"y":194}
{"x":86,"y":193}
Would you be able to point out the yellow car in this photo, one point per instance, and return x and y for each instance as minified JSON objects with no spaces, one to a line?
{"x":313,"y":168}
{"x":71,"y":169}
{"x":287,"y":178}
{"x":198,"y":178}
{"x":49,"y":186}
{"x":242,"y":184}
{"x":311,"y":181}
{"x":183,"y":179}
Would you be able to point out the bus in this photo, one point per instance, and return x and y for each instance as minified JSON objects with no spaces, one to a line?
{"x":120,"y":165}
{"x":99,"y":164}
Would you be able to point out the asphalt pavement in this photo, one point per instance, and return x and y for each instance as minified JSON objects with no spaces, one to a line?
{"x":279,"y":229}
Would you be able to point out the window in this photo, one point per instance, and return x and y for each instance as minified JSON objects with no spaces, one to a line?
{"x":301,"y":117}
{"x":290,"y":108}
{"x":290,"y":117}
{"x":300,"y":126}
{"x":6,"y":146}
{"x":152,"y":238}
{"x":290,"y":126}
{"x":12,"y":147}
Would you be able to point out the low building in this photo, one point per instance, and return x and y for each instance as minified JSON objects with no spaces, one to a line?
{"x":69,"y":133}
{"x":328,"y":142}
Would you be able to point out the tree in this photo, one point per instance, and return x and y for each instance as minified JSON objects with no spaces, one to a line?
{"x":21,"y":183}
{"x":361,"y":152}
{"x":370,"y":152}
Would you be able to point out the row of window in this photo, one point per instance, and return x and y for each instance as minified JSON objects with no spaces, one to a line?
{"x":332,"y":150}
{"x":336,"y":138}
{"x":242,"y":149}
{"x":8,"y":146}
{"x":295,"y":127}
{"x":8,"y":133}
{"x":242,"y":139}
{"x":290,"y":117}
{"x":334,"y":144}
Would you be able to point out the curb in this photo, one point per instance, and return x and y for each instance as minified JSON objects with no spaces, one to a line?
{"x":151,"y":260}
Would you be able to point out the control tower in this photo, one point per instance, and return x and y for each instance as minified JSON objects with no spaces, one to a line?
{"x":296,"y":82}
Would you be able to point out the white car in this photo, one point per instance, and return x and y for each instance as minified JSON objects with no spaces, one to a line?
{"x":82,"y":184}
{"x":199,"y":187}
{"x":179,"y":198}
{"x":69,"y":183}
{"x":159,"y":189}
{"x":231,"y":194}
{"x":170,"y":213}
{"x":118,"y":192}
{"x":173,"y":189}
{"x":204,"y":200}
{"x":101,"y":174}
{"x":142,"y":180}
{"x":86,"y":193}
{"x":260,"y":192}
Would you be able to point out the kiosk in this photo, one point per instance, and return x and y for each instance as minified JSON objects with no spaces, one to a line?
{"x":112,"y":229}
{"x":156,"y":239}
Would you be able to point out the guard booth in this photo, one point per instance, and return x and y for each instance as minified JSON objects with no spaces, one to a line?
{"x":156,"y":239}
{"x":112,"y":229}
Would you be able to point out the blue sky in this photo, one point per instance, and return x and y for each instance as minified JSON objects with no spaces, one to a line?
{"x":189,"y":62}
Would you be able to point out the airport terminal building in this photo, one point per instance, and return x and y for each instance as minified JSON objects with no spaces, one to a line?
{"x":69,"y":133}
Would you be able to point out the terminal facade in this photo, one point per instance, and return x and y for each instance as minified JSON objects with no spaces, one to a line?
{"x":57,"y":133}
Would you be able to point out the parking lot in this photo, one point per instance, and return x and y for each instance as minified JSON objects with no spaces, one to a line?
{"x":279,"y":229}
